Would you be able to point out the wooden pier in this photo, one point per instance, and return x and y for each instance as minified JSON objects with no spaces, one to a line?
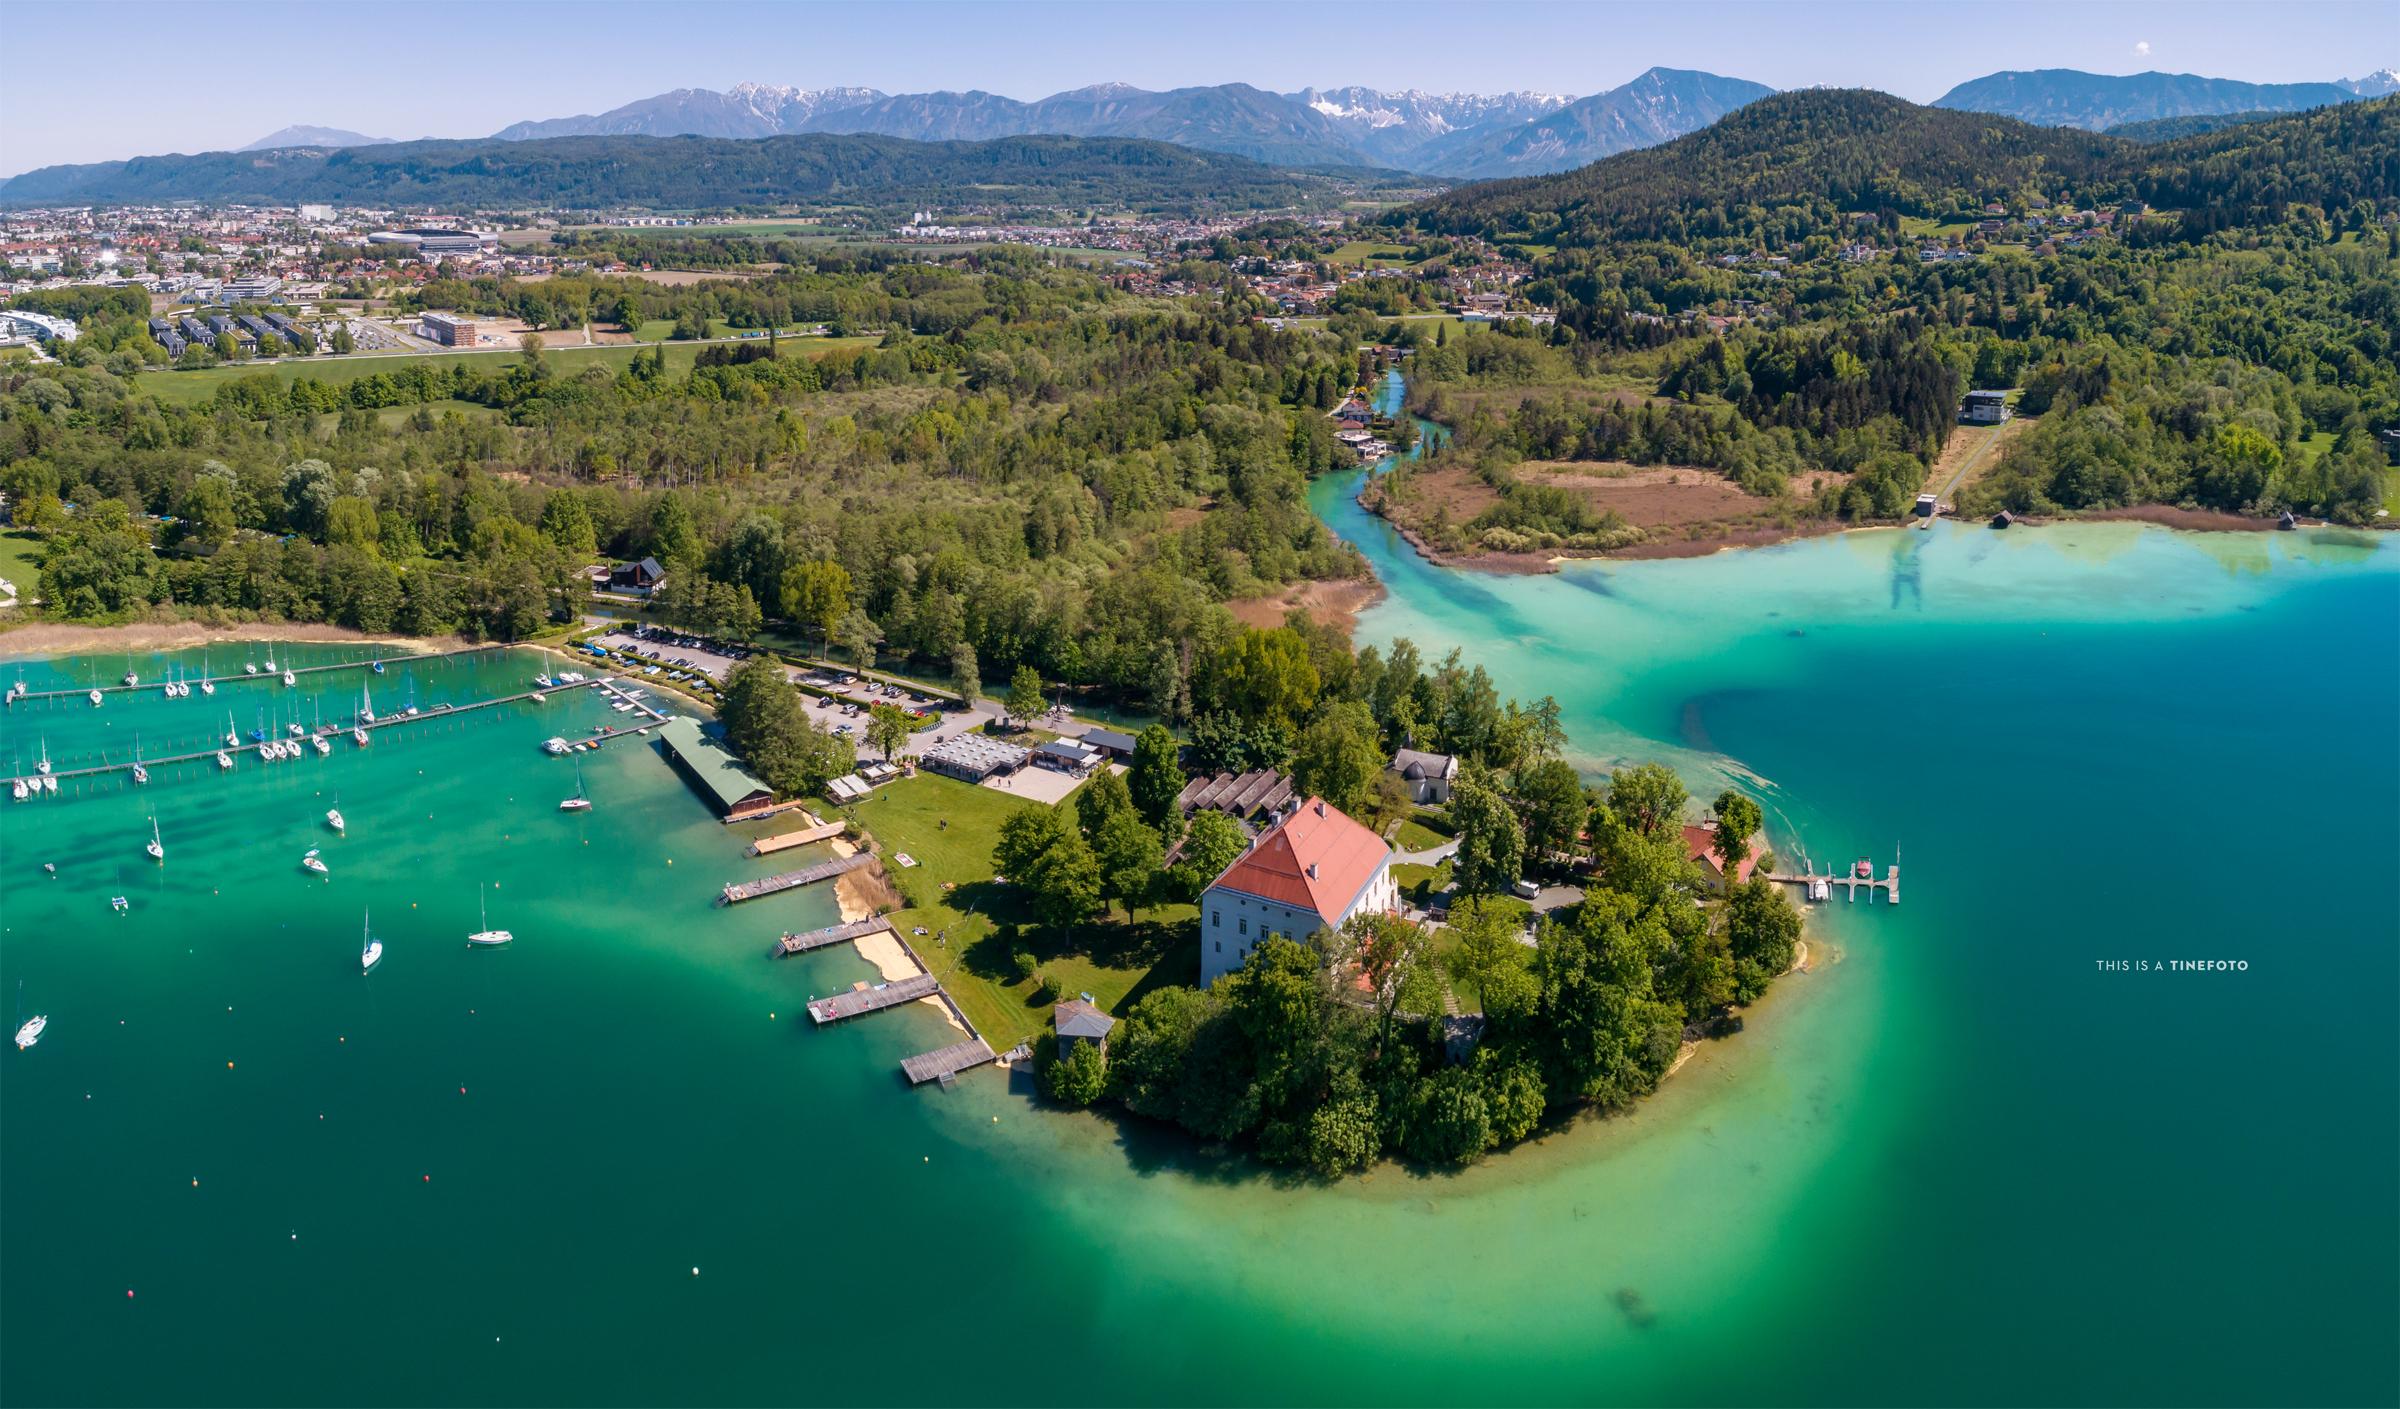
{"x":861,"y":1001}
{"x":816,"y":830}
{"x":331,"y":733}
{"x":831,"y":935}
{"x":1850,"y":884}
{"x":739,"y":891}
{"x":946,"y":1062}
{"x":245,"y":678}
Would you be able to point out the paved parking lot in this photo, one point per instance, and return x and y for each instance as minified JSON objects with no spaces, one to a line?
{"x":825,"y":714}
{"x":1035,"y":783}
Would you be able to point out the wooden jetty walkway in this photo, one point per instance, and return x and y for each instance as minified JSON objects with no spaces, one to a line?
{"x":817,"y":830}
{"x":738,"y":891}
{"x":274,"y":678}
{"x":331,"y":733}
{"x":861,"y":1001}
{"x":1851,"y":884}
{"x":946,"y":1062}
{"x":831,"y":935}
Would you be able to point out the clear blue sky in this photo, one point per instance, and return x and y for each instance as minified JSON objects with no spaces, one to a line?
{"x":93,"y":81}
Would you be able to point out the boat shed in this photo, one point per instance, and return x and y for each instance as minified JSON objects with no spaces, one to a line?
{"x":722,"y":781}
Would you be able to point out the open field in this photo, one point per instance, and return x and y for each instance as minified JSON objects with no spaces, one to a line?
{"x":16,"y":561}
{"x":1366,"y":252}
{"x":948,"y":827}
{"x":193,"y":388}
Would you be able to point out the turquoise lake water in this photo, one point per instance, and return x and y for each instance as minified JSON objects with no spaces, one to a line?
{"x":1956,"y":1162}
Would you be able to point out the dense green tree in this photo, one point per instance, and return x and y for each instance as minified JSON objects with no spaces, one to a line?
{"x":888,"y":729}
{"x":1211,"y":842}
{"x":1491,"y":843}
{"x":1156,"y":777}
{"x":1128,"y":851}
{"x":766,"y":725}
{"x":1551,"y":794}
{"x":1025,"y":703}
{"x":1738,"y":820}
{"x":966,"y":676}
{"x":1762,"y":934}
{"x":1078,"y":1078}
{"x":1339,"y":757}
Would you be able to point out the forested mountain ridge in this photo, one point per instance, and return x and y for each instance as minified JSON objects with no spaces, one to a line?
{"x":1779,"y":167}
{"x":690,"y":172}
{"x":2062,"y":97}
{"x":1854,"y":148}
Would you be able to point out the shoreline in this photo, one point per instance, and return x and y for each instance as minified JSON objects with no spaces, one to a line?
{"x":57,"y":638}
{"x":854,"y":892}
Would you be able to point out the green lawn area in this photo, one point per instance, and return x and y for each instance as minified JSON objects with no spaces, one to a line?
{"x":1416,"y":835}
{"x":1368,"y":252}
{"x":2313,"y":445}
{"x":1918,"y":227}
{"x":195,"y":388}
{"x":17,"y":548}
{"x":2391,"y":497}
{"x":1112,"y":960}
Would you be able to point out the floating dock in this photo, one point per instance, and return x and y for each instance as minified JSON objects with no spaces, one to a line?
{"x":1849,"y":882}
{"x":817,"y":830}
{"x":861,"y":1001}
{"x":739,"y":891}
{"x":332,"y":732}
{"x":946,"y":1062}
{"x":266,"y":677}
{"x":831,"y":935}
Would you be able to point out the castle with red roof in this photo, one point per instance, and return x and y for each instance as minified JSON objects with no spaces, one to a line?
{"x":1311,"y":870}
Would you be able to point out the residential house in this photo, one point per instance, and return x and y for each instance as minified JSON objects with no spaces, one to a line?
{"x":1312,"y":870}
{"x":1068,"y":756}
{"x":1111,"y":743}
{"x":637,"y":579}
{"x":1427,"y":776}
{"x":1984,"y":408}
{"x":1700,"y":844}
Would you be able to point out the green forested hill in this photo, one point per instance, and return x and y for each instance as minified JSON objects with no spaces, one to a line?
{"x":1780,"y":167}
{"x":684,"y":172}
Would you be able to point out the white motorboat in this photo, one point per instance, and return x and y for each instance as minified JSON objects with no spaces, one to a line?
{"x":95,"y":698}
{"x":156,"y":848}
{"x":486,"y":936}
{"x":250,"y":668}
{"x":31,"y":1032}
{"x":372,"y":954}
{"x":290,"y":679}
{"x":224,"y":759}
{"x":140,"y":774}
{"x":555,"y":747}
{"x":315,"y":863}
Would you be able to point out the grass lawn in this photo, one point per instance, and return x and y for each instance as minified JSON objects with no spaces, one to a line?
{"x":1112,"y":960}
{"x":195,"y":388}
{"x":17,"y":547}
{"x":1367,"y":252}
{"x":1416,"y":835}
{"x":2391,"y":498}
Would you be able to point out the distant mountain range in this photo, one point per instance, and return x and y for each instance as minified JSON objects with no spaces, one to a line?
{"x":850,"y":169}
{"x":2062,"y":97}
{"x":302,"y":135}
{"x":1445,"y":134}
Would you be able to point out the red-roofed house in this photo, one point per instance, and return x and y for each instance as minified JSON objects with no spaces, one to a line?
{"x":1310,"y":871}
{"x":1701,"y":842}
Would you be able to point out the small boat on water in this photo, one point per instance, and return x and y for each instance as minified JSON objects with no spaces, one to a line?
{"x":366,"y":705}
{"x":323,"y":748}
{"x":290,"y":679}
{"x":43,"y":767}
{"x":224,"y":759}
{"x":31,"y":1032}
{"x":156,"y":848}
{"x":233,"y":737}
{"x":250,"y":668}
{"x":316,"y":863}
{"x":554,"y":747}
{"x":131,"y":679}
{"x":372,"y":954}
{"x":486,"y":936}
{"x":359,"y":736}
{"x":294,"y":729}
{"x":95,"y":698}
{"x":1819,"y":888}
{"x":270,"y":667}
{"x":208,"y":687}
{"x":333,"y":814}
{"x":580,"y":802}
{"x":119,"y":904}
{"x":140,"y":774}
{"x":18,"y":790}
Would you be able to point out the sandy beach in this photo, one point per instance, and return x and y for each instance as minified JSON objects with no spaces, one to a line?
{"x":857,"y":894}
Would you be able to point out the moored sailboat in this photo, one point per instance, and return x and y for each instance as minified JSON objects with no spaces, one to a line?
{"x":156,"y":848}
{"x":372,"y":954}
{"x":486,"y":936}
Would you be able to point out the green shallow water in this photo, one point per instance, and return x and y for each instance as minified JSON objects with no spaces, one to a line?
{"x":1956,"y":1163}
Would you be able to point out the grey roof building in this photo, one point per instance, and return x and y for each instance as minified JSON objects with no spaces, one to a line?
{"x":1080,"y":1020}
